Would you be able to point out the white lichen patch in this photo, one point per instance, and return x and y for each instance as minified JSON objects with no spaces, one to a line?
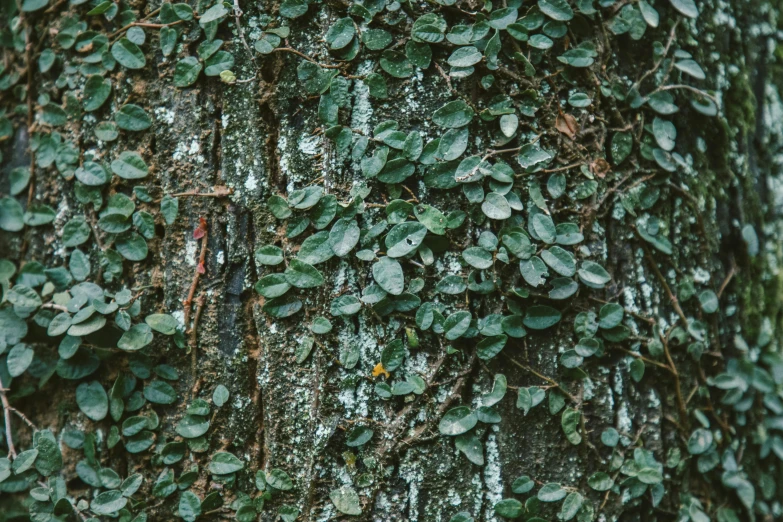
{"x":493,"y":479}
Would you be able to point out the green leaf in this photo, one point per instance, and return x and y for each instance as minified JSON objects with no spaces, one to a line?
{"x":522,"y":485}
{"x":559,"y":260}
{"x":92,"y":400}
{"x":136,"y":338}
{"x":556,"y":9}
{"x":346,"y":500}
{"x":665,"y":133}
{"x":491,"y":346}
{"x":709,"y":301}
{"x":24,"y":461}
{"x":404,"y":238}
{"x":223,"y":463}
{"x":376,"y":39}
{"x":219,"y":62}
{"x":92,"y":174}
{"x":541,"y":225}
{"x":453,"y":115}
{"x":213,"y":14}
{"x":686,"y":7}
{"x":344,"y":236}
{"x":495,"y":206}
{"x":577,"y":57}
{"x":358,"y":436}
{"x":293,"y":8}
{"x":340,"y":34}
{"x":478,"y":257}
{"x":11,"y":215}
{"x":509,"y":508}
{"x":168,"y":40}
{"x":169,"y":208}
{"x":192,"y":426}
{"x":272,"y":285}
{"x":321,"y":325}
{"x":600,"y":481}
{"x":220,"y":395}
{"x":571,"y":506}
{"x":610,"y":315}
{"x":160,"y":392}
{"x":691,"y":68}
{"x":465,"y":57}
{"x":569,"y":421}
{"x":540,"y":317}
{"x":457,"y":421}
{"x":37,"y":215}
{"x":108,"y":502}
{"x":302,"y":275}
{"x":387,"y":272}
{"x":551,"y":492}
{"x":187,"y":71}
{"x":28,"y":6}
{"x":279,"y":479}
{"x":456,"y":325}
{"x":396,"y":64}
{"x":282,"y":307}
{"x":130,"y":165}
{"x":699,"y":441}
{"x":19,"y":359}
{"x":189,"y":506}
{"x":131,"y":246}
{"x":621,"y":146}
{"x":163,"y":323}
{"x":131,"y":117}
{"x":503,"y":17}
{"x":128,"y":54}
{"x":593,"y":275}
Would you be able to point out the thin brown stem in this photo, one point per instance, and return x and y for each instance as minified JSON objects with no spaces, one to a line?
{"x":674,"y":301}
{"x":9,"y":437}
{"x":196,"y":275}
{"x":302,"y":55}
{"x":541,"y":376}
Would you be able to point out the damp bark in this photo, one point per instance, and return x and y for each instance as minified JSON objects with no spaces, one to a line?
{"x":261,"y":137}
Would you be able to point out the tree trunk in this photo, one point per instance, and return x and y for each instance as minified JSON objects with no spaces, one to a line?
{"x":662,"y":385}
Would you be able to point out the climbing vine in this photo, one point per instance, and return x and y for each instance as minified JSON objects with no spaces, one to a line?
{"x":466,"y":231}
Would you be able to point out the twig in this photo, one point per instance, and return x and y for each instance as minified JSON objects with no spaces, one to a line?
{"x":540,"y":375}
{"x":302,"y":55}
{"x":641,"y":317}
{"x":712,"y":98}
{"x":728,"y":279}
{"x":53,"y":306}
{"x":9,"y":437}
{"x":560,"y":169}
{"x":194,"y":332}
{"x":672,"y":35}
{"x":237,"y":15}
{"x":24,"y":418}
{"x":196,"y":275}
{"x":643,"y":358}
{"x":675,"y":302}
{"x":677,"y":387}
{"x":218,"y":192}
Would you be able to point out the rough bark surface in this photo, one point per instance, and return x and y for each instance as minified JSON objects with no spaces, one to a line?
{"x":262,"y":136}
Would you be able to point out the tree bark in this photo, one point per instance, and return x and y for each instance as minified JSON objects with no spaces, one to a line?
{"x":262,"y":136}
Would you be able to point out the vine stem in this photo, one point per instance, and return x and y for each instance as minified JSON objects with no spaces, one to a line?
{"x":540,"y":375}
{"x":673,"y":298}
{"x":194,"y":332}
{"x":657,"y":65}
{"x":303,"y":55}
{"x":9,"y":437}
{"x":196,"y":275}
